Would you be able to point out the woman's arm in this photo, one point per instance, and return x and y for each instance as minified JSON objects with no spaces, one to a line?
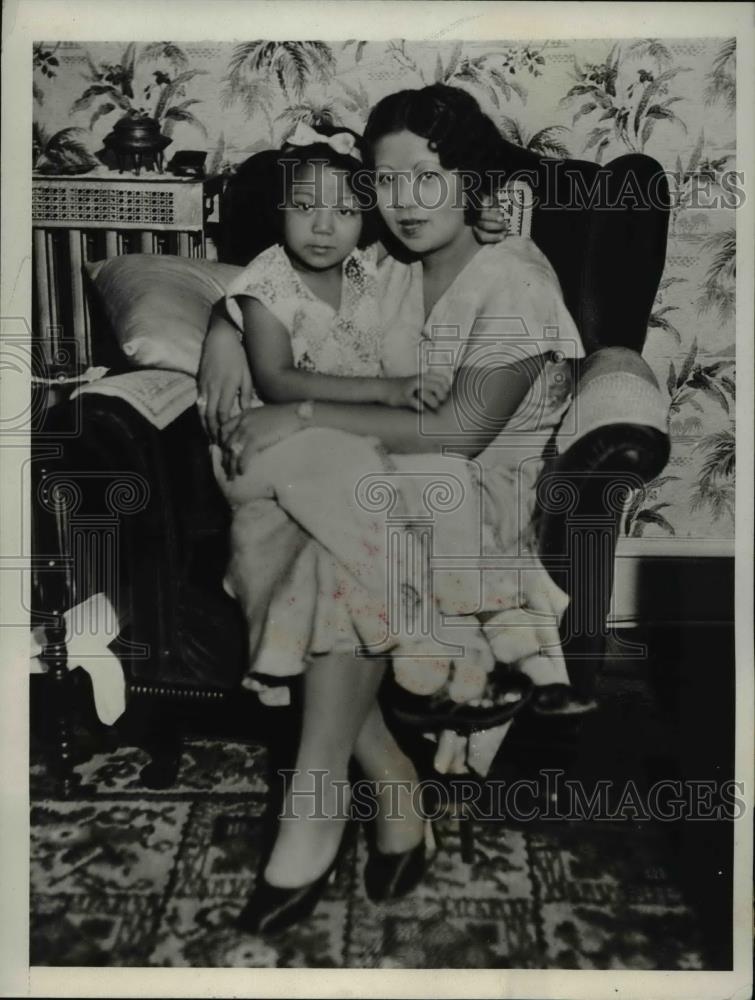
{"x":455,"y":427}
{"x":487,"y":389}
{"x":478,"y":407}
{"x":490,"y":224}
{"x":277,"y":380}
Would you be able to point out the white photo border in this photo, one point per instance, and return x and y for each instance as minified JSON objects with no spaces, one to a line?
{"x":25,"y":21}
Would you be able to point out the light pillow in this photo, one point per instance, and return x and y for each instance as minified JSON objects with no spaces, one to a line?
{"x":158,"y":305}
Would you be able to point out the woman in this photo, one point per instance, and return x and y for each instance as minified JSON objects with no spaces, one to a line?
{"x":499,"y":303}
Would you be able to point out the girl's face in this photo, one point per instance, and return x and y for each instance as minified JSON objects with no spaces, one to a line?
{"x":420,"y":201}
{"x":322,"y":221}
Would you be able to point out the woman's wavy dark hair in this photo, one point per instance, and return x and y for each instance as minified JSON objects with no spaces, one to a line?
{"x":452,"y":122}
{"x":291,"y":157}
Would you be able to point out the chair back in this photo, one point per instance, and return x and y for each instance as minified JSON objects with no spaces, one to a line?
{"x":603,"y":228}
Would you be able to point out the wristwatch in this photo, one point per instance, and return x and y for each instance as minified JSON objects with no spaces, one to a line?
{"x":305,"y":411}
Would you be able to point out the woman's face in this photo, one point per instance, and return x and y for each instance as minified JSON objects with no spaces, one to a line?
{"x":421,"y":202}
{"x":322,"y":221}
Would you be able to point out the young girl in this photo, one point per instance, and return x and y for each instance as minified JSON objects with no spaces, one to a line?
{"x":308,"y":305}
{"x":309,"y":311}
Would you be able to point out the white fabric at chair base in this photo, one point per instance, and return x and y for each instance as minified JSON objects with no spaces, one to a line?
{"x":87,"y":647}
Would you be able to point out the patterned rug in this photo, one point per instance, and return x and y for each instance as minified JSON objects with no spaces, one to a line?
{"x":125,"y":877}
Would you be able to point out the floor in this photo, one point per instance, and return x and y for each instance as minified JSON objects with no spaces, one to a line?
{"x":125,"y":877}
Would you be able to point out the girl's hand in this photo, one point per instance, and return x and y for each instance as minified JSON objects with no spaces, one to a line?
{"x":223,"y":378}
{"x":490,"y":226}
{"x":417,"y":392}
{"x":253,"y":431}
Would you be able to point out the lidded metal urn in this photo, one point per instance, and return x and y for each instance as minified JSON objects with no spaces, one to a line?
{"x":137,"y":141}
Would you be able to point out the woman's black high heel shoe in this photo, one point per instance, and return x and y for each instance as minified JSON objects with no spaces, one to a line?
{"x":390,"y":876}
{"x":272,"y":909}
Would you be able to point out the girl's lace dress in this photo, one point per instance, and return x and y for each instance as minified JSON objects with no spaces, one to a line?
{"x":346,"y":341}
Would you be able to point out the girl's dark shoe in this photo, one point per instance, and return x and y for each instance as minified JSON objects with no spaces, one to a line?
{"x":559,"y":699}
{"x":508,"y":692}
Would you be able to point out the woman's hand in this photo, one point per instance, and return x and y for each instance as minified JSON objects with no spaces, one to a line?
{"x":491,"y":226}
{"x":417,"y":392}
{"x":252,"y":431}
{"x":224,"y":377}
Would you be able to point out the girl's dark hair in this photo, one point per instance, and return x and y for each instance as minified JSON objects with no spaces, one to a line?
{"x":291,"y":157}
{"x":452,"y":122}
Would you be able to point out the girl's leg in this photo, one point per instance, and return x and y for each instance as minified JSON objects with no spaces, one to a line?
{"x":339,"y":693}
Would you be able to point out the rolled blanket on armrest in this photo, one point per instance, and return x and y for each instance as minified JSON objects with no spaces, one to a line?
{"x":616,"y":386}
{"x":159,"y":396}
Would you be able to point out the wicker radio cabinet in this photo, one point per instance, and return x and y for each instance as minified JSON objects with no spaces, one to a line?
{"x":98,"y":215}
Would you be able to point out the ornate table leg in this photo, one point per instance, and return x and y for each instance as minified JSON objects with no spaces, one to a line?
{"x":52,"y":590}
{"x":62,"y":756}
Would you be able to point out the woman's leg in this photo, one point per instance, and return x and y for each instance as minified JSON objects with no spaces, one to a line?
{"x":399,"y":827}
{"x":339,"y":693}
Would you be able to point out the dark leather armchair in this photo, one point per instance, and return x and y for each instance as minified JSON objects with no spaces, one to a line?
{"x":183,"y":641}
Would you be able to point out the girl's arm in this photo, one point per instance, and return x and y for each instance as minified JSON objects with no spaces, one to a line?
{"x":484,"y":395}
{"x":277,"y":380}
{"x":223,"y":377}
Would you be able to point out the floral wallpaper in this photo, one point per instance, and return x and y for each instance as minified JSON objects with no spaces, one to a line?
{"x":592,"y":99}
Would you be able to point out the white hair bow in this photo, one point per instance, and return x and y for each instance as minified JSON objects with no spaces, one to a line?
{"x":342,"y":142}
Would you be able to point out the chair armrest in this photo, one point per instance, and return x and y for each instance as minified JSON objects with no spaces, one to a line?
{"x":617,"y":409}
{"x":616,"y":442}
{"x":614,"y":438}
{"x":166,"y":569}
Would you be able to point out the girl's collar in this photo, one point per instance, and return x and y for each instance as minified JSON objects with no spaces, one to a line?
{"x":353,"y":274}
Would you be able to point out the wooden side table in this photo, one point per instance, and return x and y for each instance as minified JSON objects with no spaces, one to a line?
{"x":77,"y":219}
